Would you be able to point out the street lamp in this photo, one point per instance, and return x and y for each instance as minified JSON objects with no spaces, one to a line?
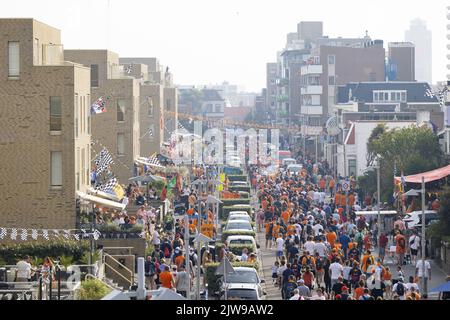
{"x":377,"y":167}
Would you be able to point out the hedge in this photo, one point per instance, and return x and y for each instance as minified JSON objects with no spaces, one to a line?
{"x":237,"y":177}
{"x":245,"y":189}
{"x":12,"y":253}
{"x":231,"y":202}
{"x":226,"y":234}
{"x":92,"y":289}
{"x":212,"y":278}
{"x":225,"y":211}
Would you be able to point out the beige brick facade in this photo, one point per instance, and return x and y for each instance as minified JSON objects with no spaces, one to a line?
{"x":28,"y":199}
{"x":106,"y":127}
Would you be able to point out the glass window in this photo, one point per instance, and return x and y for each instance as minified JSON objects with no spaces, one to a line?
{"x":386,"y":96}
{"x":94,"y":75}
{"x":375,"y":96}
{"x":331,"y":59}
{"x":55,"y":113}
{"x":77,"y":108}
{"x":392,"y":96}
{"x":56,"y":168}
{"x":168,"y":104}
{"x":352,"y":167}
{"x":120,"y":143}
{"x":150,"y":106}
{"x":13,"y":59}
{"x":331,"y":80}
{"x":120,"y":110}
{"x":36,"y":52}
{"x":403,"y":97}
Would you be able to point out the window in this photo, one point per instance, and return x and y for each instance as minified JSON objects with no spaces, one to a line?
{"x":150,"y":106}
{"x":77,"y":108}
{"x":375,"y":96}
{"x":403,"y":97}
{"x":168,"y":104}
{"x":56,"y":168}
{"x":331,"y":80}
{"x":77,"y":169}
{"x":351,"y":167}
{"x":120,"y":110}
{"x":393,"y":96}
{"x":88,"y":98}
{"x":13,"y":59}
{"x":218,"y":108}
{"x":55,"y":113}
{"x":209,"y":107}
{"x":94,"y":75}
{"x":331,"y":59}
{"x":83,"y":166}
{"x":82,"y":122}
{"x":36,"y":52}
{"x":120,"y":143}
{"x":386,"y":96}
{"x":397,"y":96}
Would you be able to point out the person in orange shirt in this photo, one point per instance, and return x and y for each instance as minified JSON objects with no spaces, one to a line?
{"x":166,"y":278}
{"x":331,"y":186}
{"x":400,"y":247}
{"x":179,"y":260}
{"x":322,"y":184}
{"x":351,"y":199}
{"x":290,"y":230}
{"x":331,"y":238}
{"x":276,"y":230}
{"x":285,"y":216}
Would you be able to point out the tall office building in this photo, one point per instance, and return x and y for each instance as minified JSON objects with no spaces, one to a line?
{"x":401,"y":61}
{"x":421,"y":37}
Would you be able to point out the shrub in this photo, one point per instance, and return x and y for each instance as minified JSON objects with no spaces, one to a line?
{"x":243,"y":188}
{"x":93,"y":289}
{"x":108,"y":227}
{"x":11,"y":253}
{"x":226,"y":234}
{"x":237,"y":177}
{"x":237,"y":248}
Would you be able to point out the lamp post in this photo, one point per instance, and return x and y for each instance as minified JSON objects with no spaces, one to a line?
{"x":424,"y":289}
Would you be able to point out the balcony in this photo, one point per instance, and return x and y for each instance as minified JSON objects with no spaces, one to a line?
{"x":311,"y":110}
{"x":312,"y":69}
{"x":312,"y":90}
{"x":52,"y":55}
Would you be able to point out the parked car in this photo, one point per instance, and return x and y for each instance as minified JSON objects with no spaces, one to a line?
{"x":239,"y":225}
{"x":414,"y":219}
{"x":237,"y":213}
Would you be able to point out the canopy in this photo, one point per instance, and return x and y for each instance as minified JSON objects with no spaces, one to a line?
{"x":146,"y":178}
{"x":429,"y":176}
{"x":382,"y":212}
{"x":445,"y":287}
{"x":413,"y":192}
{"x":102,"y":201}
{"x":146,"y":162}
{"x":168,"y":294}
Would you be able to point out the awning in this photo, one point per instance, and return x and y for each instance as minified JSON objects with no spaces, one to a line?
{"x":146,"y":178}
{"x":144,"y":161}
{"x":413,"y":192}
{"x":102,"y":194}
{"x":383,"y":213}
{"x":429,"y":176}
{"x":105,"y":202}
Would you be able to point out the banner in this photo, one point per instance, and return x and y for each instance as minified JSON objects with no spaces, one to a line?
{"x":34,"y":234}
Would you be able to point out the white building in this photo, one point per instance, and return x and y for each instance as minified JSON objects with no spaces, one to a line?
{"x":354,"y":150}
{"x":421,"y":37}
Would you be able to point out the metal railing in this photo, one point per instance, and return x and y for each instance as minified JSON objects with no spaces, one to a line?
{"x":129,"y":280}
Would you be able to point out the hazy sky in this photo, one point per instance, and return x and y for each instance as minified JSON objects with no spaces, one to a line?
{"x":209,"y":41}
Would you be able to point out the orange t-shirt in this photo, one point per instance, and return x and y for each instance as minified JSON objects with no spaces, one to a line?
{"x":331,"y":238}
{"x":351,"y":200}
{"x":322,"y":183}
{"x":179,"y":260}
{"x":275,"y":231}
{"x":166,"y":279}
{"x":190,"y":211}
{"x":285,"y":216}
{"x":290,"y":230}
{"x":331,"y":185}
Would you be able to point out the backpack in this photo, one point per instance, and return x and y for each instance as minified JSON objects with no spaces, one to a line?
{"x":319,"y":264}
{"x":401,"y":242}
{"x":369,"y":261}
{"x":400,"y":289}
{"x":166,"y":252}
{"x":290,"y":286}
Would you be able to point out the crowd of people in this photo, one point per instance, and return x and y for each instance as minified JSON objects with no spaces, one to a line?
{"x":323,"y":249}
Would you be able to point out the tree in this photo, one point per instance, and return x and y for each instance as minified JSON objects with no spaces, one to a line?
{"x":412,"y":149}
{"x":376,"y":133}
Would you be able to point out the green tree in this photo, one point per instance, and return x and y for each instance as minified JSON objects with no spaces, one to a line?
{"x":412,"y":149}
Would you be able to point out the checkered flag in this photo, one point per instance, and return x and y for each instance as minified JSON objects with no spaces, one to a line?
{"x":13,"y":234}
{"x":45,"y":234}
{"x":429,"y":93}
{"x":153,"y":159}
{"x":96,"y":234}
{"x":108,"y":187}
{"x":3,"y":233}
{"x":103,"y":160}
{"x":34,"y":234}
{"x":24,"y":234}
{"x":76,"y":236}
{"x":129,"y":69}
{"x":56,"y":233}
